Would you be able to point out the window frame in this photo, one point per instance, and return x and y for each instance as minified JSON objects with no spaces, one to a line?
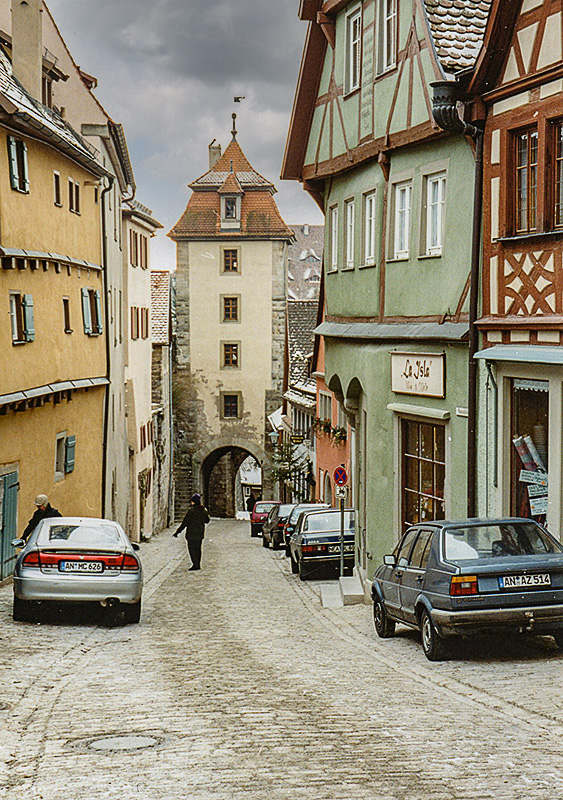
{"x":353,"y":67}
{"x":402,"y":253}
{"x":66,"y":315}
{"x":57,"y":189}
{"x":18,"y":164}
{"x":22,"y":321}
{"x":430,"y":179}
{"x":224,"y":259}
{"x":223,"y":407}
{"x":333,"y":241}
{"x":228,"y":222}
{"x":350,"y":231}
{"x":236,"y":306}
{"x":60,"y":452}
{"x":387,"y":47}
{"x":531,"y":171}
{"x":370,"y":220}
{"x":234,"y":357}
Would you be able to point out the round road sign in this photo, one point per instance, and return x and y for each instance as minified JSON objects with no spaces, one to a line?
{"x":340,"y":476}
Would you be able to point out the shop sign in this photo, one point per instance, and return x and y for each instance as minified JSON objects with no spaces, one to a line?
{"x":418,"y":373}
{"x":538,"y":478}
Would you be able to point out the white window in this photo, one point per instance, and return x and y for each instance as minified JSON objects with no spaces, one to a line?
{"x":350,"y":222}
{"x":325,"y":406}
{"x":353,"y":50}
{"x":435,"y":203}
{"x":230,"y":212}
{"x":369,"y":228}
{"x":334,"y":238}
{"x":403,"y":194}
{"x":387,"y":35}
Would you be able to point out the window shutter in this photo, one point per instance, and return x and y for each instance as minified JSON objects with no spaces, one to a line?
{"x":28,"y":317}
{"x":25,"y":175}
{"x":86,"y":317}
{"x":70,"y":448}
{"x":13,"y":159}
{"x":99,"y":325}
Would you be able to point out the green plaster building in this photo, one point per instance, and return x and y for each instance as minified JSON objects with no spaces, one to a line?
{"x":397,"y":194}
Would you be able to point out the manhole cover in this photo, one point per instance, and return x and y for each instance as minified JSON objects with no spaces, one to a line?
{"x":123,"y":742}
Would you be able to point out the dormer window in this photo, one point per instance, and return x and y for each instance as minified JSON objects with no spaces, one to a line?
{"x":230,"y":212}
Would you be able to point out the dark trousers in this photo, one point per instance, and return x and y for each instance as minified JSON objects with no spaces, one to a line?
{"x":194,"y":549}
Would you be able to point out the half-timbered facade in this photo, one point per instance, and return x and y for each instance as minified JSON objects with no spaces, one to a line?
{"x":519,"y":78}
{"x":397,"y":193}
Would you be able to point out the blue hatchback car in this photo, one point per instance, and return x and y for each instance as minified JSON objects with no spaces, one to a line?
{"x":468,"y":577}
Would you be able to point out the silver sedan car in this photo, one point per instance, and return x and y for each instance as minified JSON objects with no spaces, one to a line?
{"x":78,"y":559}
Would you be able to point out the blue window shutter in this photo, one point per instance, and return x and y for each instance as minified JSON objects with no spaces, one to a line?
{"x":13,"y":159}
{"x":70,"y":448}
{"x":99,"y":325}
{"x":25,"y":175}
{"x":87,"y":319}
{"x":29,"y":322}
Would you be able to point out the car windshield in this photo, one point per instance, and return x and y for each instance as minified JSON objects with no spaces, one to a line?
{"x":329,"y":521}
{"x":294,"y":516}
{"x":263,"y":508}
{"x":499,"y":539}
{"x":78,"y":535}
{"x":285,"y":511}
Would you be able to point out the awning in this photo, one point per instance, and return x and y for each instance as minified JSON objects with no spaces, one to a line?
{"x":407,"y":331}
{"x":41,"y":391}
{"x":528,"y":354}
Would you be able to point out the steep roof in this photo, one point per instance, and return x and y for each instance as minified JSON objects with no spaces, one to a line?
{"x":458,"y":28}
{"x":301,"y":323}
{"x":305,"y":258}
{"x":160,"y":307}
{"x":231,"y":174}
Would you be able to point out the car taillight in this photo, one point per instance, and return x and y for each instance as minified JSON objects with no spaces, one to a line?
{"x":32,"y":559}
{"x":463,"y":585}
{"x":313,"y":548}
{"x":130,"y":563}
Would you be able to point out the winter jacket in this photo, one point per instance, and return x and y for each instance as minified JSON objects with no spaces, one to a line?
{"x":194,"y":522}
{"x":41,"y":513}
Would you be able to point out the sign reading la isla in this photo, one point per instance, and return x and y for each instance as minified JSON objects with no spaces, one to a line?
{"x":418,"y":373}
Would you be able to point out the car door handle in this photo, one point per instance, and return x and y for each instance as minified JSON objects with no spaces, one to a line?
{"x":399,"y":573}
{"x":420,"y":578}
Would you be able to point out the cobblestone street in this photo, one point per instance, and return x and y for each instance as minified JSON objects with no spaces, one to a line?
{"x":245,"y":687}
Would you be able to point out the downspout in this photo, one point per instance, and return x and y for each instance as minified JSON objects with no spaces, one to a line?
{"x":446,"y":115}
{"x":104,"y":191}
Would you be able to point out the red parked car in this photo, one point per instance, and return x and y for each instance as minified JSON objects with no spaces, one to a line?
{"x":259,"y":515}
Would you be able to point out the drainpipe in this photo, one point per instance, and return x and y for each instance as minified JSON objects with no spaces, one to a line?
{"x":446,"y":115}
{"x":104,"y":191}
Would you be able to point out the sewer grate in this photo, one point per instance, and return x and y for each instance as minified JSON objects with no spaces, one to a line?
{"x":126,"y":742}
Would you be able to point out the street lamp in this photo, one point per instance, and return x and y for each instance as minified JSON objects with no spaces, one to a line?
{"x":274,"y":437}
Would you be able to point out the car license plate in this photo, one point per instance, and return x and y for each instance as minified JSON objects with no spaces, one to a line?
{"x":523,"y":581}
{"x":335,"y":548}
{"x":81,"y":566}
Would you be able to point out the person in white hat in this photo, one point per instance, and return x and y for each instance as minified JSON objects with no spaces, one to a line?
{"x":43,"y":509}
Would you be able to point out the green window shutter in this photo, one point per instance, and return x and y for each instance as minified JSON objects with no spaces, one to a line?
{"x":13,"y":159}
{"x":25,"y":175}
{"x":86,"y":317}
{"x":99,"y":325}
{"x":29,"y":322}
{"x":70,"y":448}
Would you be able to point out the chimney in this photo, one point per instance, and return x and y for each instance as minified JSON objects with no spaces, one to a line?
{"x":214,"y":153}
{"x":27,"y":45}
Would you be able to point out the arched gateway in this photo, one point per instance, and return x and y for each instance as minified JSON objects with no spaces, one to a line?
{"x":219,"y":464}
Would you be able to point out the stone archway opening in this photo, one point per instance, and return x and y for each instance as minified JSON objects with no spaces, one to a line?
{"x":224,"y":482}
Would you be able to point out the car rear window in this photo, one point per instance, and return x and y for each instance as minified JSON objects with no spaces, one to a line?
{"x":498,"y":540}
{"x":78,"y":535}
{"x":330,"y":521}
{"x":285,"y":511}
{"x":262,"y":508}
{"x":294,"y":516}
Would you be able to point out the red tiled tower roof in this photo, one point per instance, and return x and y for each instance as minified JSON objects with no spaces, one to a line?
{"x":232,"y":174}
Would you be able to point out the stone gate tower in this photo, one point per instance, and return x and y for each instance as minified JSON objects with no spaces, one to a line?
{"x":230,"y":310}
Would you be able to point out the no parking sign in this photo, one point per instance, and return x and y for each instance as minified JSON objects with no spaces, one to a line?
{"x":340,"y":476}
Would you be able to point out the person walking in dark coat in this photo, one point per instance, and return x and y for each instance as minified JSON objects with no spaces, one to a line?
{"x":194,"y":522}
{"x":250,"y":503}
{"x":44,"y":510}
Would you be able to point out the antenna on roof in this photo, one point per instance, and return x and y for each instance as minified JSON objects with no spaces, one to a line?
{"x":234,"y":131}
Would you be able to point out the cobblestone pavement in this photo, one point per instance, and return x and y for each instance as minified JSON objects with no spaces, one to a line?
{"x":247,"y":689}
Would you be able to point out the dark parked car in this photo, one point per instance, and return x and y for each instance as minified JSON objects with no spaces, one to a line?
{"x":294,"y":516}
{"x":259,"y":515}
{"x":78,"y":560}
{"x":272,"y":532}
{"x":469,"y":577}
{"x":315,"y":544}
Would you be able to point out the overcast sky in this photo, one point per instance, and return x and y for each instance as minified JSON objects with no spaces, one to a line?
{"x":168,"y":71}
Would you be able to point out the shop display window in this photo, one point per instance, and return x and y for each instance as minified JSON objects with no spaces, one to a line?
{"x":529,"y":461}
{"x":423,"y":446}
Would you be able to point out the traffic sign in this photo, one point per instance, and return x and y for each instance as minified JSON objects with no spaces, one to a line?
{"x":340,"y":476}
{"x":341,"y":491}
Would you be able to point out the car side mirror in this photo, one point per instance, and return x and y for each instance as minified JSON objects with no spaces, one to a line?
{"x":389,"y":561}
{"x":135,"y":546}
{"x":18,"y":542}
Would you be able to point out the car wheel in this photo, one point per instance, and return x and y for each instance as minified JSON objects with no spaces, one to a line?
{"x":22,"y":610}
{"x":435,"y":648}
{"x":384,"y":626}
{"x":304,"y":572}
{"x":558,"y":636}
{"x":132,"y":612}
{"x":265,"y":542}
{"x":253,"y":531}
{"x":287,"y":550}
{"x":294,"y":565}
{"x":275,"y":544}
